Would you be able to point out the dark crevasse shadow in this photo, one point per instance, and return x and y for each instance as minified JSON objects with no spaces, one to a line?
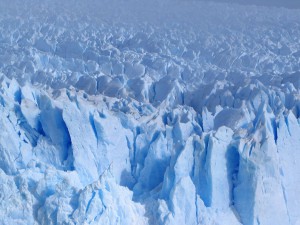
{"x":233,"y":158}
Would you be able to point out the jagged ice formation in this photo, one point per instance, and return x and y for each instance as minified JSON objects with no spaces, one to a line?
{"x":107,"y":118}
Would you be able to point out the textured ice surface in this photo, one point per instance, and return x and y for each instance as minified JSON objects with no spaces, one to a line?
{"x":110,"y":117}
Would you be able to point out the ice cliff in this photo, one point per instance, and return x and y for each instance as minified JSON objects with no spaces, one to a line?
{"x":112,"y":121}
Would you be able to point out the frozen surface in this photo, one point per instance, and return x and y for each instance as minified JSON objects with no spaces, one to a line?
{"x":110,"y":117}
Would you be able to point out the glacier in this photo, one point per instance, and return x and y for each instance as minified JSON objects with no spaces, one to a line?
{"x":146,"y":112}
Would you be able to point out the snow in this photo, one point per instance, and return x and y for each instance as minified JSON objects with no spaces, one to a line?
{"x":111,"y":117}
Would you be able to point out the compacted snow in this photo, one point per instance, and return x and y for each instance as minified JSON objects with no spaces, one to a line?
{"x":172,"y":112}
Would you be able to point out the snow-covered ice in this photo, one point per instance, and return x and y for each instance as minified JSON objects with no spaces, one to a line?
{"x":172,"y":112}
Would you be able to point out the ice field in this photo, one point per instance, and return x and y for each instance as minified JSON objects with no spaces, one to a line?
{"x":147,"y":112}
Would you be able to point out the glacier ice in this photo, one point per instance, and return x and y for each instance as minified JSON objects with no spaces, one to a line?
{"x":117,"y":118}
